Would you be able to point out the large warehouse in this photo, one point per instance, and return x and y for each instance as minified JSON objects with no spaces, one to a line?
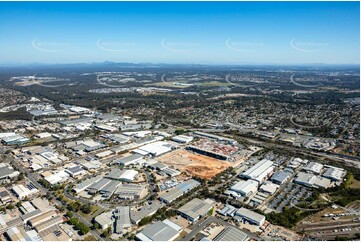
{"x":160,"y":231}
{"x":195,"y":209}
{"x":122,"y":175}
{"x":250,"y":216}
{"x":246,"y":188}
{"x":154,"y":149}
{"x":259,"y":172}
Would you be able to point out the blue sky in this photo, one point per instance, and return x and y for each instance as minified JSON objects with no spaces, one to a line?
{"x":180,"y":32}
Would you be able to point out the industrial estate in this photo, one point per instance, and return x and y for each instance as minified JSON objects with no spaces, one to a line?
{"x":214,"y":170}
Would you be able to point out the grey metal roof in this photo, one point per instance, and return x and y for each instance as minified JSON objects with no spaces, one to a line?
{"x":159,"y":231}
{"x":195,"y":208}
{"x":231,"y":234}
{"x":145,"y":211}
{"x":99,"y":184}
{"x":5,"y":171}
{"x":280,"y":176}
{"x":75,"y":169}
{"x":127,"y":159}
{"x":110,"y":187}
{"x":122,"y":218}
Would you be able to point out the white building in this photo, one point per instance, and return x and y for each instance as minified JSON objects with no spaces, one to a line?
{"x":246,"y":188}
{"x":154,"y":149}
{"x":22,"y":192}
{"x":250,"y":216}
{"x":314,"y":167}
{"x":334,"y":173}
{"x":182,"y":139}
{"x":259,"y":172}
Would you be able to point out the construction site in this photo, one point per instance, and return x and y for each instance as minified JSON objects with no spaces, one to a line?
{"x":198,"y":165}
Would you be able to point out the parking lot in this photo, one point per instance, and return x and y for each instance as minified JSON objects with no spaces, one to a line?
{"x":292,"y":192}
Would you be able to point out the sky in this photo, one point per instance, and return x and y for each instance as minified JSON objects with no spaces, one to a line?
{"x":180,"y":32}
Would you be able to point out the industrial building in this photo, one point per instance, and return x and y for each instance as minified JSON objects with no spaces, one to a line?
{"x":231,"y":233}
{"x":250,"y":216}
{"x":5,"y":196}
{"x":259,"y":172}
{"x":97,"y":186}
{"x":7,"y":172}
{"x":122,"y":219}
{"x":14,"y":140}
{"x":22,"y":191}
{"x":122,"y":175}
{"x":227,"y":210}
{"x":160,"y":231}
{"x":182,"y":139}
{"x":313,"y":167}
{"x":128,"y":160}
{"x":246,"y":188}
{"x":75,"y":171}
{"x":108,"y":190}
{"x":154,"y":149}
{"x":128,"y":191}
{"x":16,"y":234}
{"x":178,"y":191}
{"x":104,"y":220}
{"x":310,"y":180}
{"x":334,"y":173}
{"x":146,"y":210}
{"x":195,"y":209}
{"x":116,"y":138}
{"x":269,"y":187}
{"x":86,"y":183}
{"x":280,"y":177}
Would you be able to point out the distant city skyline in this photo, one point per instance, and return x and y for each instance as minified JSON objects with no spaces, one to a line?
{"x":180,"y":32}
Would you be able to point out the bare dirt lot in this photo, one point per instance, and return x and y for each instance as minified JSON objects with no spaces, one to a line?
{"x":194,"y":164}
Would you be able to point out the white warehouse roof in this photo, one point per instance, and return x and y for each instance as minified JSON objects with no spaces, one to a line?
{"x":259,"y":171}
{"x":156,"y":148}
{"x":245,"y":188}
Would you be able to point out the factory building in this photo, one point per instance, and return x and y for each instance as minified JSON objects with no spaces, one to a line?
{"x":7,"y":172}
{"x":122,"y":175}
{"x":195,"y":209}
{"x":22,"y":191}
{"x":160,"y":231}
{"x":334,"y":173}
{"x":122,"y":219}
{"x":178,"y":191}
{"x":313,"y":167}
{"x":85,"y":184}
{"x":231,"y":233}
{"x":182,"y":139}
{"x":310,"y":180}
{"x":128,"y":160}
{"x":259,"y":172}
{"x":246,"y":188}
{"x":280,"y":177}
{"x":154,"y":149}
{"x":250,"y":216}
{"x":128,"y":191}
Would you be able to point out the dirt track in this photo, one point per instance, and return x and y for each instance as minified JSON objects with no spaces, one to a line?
{"x":194,"y":164}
